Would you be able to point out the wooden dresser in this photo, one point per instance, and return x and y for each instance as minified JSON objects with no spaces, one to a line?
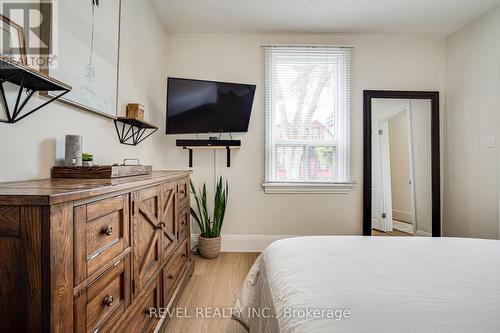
{"x":93,"y":255}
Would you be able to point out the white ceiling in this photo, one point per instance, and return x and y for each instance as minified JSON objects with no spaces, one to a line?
{"x":320,"y":16}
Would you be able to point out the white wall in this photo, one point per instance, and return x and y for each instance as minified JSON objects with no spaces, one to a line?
{"x":381,"y":62}
{"x":471,"y":170}
{"x":473,"y":90}
{"x":28,"y":148}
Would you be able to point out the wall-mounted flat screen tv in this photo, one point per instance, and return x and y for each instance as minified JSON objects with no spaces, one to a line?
{"x":196,"y":106}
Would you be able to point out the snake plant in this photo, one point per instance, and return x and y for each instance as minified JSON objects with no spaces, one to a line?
{"x":210,"y":227}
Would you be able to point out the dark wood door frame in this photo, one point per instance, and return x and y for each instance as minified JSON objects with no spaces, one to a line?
{"x":433,"y":96}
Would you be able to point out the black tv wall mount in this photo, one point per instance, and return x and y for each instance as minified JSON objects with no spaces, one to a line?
{"x":190,"y":145}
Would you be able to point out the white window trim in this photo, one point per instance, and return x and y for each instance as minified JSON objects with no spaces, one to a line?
{"x":307,"y":188}
{"x":276,"y":187}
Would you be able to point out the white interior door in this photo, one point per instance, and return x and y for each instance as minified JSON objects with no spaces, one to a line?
{"x":385,"y":173}
{"x":381,"y":180}
{"x":376,"y":183}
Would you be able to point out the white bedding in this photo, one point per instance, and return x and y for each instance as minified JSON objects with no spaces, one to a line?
{"x":389,"y":284}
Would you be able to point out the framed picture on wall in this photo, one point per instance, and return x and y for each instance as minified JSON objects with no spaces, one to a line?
{"x":86,"y":48}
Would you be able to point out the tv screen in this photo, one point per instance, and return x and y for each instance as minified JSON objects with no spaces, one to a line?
{"x":195,"y":106}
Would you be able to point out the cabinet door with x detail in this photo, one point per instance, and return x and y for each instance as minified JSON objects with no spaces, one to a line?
{"x":169,"y":223}
{"x":147,"y":232}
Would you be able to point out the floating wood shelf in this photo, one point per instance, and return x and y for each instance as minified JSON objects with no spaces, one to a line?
{"x":135,"y":133}
{"x":227,"y":145}
{"x":29,"y":79}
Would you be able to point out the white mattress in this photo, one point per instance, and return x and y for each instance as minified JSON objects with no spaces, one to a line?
{"x":389,"y":284}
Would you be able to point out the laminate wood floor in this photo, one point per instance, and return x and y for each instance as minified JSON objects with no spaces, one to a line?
{"x":213,"y":287}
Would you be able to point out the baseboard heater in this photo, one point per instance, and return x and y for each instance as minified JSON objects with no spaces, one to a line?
{"x":191,"y":144}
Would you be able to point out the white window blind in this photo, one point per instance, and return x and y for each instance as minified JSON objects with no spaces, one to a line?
{"x":308,"y":127}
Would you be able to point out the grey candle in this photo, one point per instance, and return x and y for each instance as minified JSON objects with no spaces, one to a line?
{"x":73,"y":151}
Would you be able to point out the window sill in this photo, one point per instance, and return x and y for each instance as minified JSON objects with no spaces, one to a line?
{"x":307,"y":188}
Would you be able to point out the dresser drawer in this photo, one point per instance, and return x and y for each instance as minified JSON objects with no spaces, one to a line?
{"x":101,"y":234}
{"x":173,"y":270}
{"x":183,"y":192}
{"x":184,"y":220}
{"x":100,"y":306}
{"x":144,"y":317}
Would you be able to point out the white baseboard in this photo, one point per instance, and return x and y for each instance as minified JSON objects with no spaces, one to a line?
{"x":403,"y":216}
{"x":243,"y":243}
{"x":422,"y":233}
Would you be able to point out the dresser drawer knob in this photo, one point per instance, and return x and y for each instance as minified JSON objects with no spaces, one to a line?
{"x":107,"y":231}
{"x":170,"y":277}
{"x":108,"y":300}
{"x":161,"y":226}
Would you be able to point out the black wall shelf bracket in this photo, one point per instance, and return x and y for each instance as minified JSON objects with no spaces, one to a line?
{"x":30,"y":81}
{"x":190,"y":163}
{"x":133,"y":131}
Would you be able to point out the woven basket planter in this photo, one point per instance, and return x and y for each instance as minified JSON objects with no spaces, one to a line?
{"x":209,"y":247}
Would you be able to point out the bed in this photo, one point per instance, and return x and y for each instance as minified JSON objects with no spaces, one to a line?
{"x":373,"y":284}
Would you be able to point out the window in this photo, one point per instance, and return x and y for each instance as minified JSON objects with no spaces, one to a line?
{"x":308,"y":119}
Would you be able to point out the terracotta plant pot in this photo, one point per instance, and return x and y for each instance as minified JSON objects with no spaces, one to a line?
{"x":209,"y":247}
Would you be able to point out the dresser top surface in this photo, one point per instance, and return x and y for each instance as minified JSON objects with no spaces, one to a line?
{"x":55,"y":191}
